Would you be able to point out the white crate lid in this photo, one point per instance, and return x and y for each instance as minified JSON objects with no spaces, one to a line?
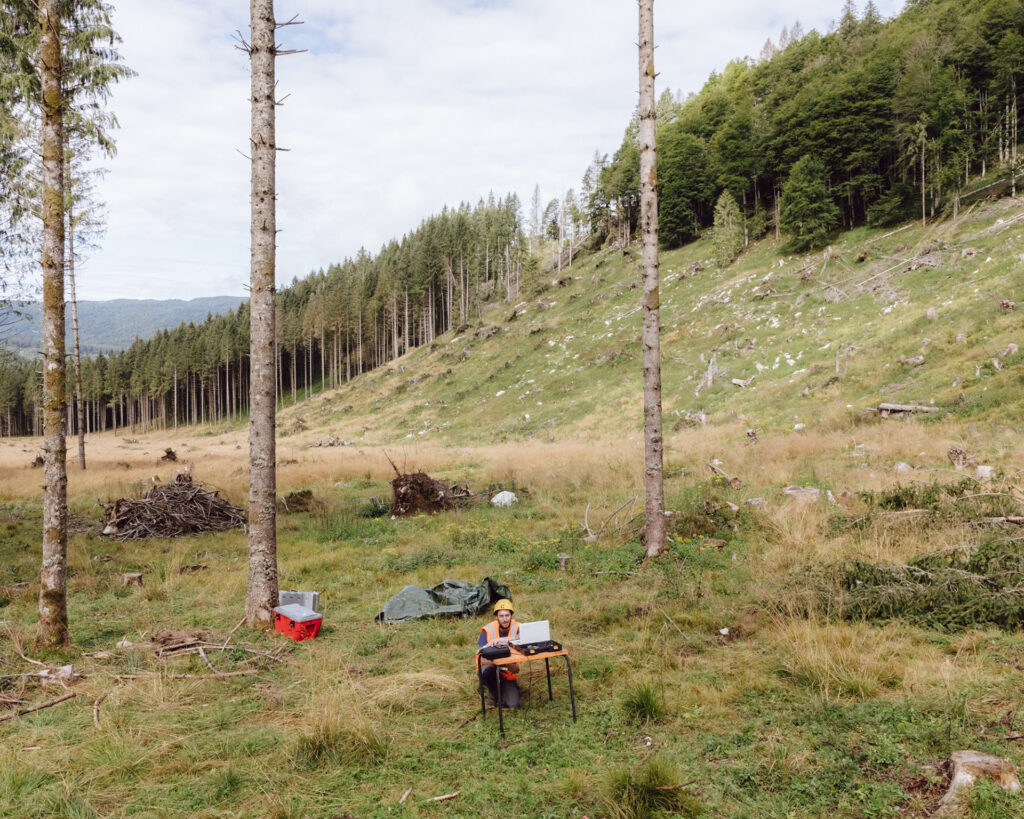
{"x":300,"y":614}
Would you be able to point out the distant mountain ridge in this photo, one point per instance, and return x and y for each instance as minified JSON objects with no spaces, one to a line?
{"x":108,"y":326}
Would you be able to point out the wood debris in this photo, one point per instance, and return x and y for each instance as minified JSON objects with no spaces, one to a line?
{"x":885,"y":410}
{"x":178,"y":508}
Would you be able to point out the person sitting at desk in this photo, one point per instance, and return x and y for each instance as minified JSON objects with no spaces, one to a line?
{"x":497,"y":633}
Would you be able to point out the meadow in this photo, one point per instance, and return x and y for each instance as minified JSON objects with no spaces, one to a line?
{"x":724,"y":679}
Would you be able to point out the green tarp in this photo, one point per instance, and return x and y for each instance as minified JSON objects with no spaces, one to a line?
{"x":452,"y":598}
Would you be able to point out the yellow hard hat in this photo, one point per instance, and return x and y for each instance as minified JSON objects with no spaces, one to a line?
{"x":503,"y":605}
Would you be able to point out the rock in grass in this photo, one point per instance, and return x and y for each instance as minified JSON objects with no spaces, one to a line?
{"x":504,"y":498}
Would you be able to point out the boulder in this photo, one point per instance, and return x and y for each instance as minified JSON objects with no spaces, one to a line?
{"x":504,"y":498}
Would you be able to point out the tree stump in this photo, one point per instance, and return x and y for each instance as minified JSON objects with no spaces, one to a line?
{"x":965,"y":768}
{"x":563,"y":561}
{"x":131,"y":579}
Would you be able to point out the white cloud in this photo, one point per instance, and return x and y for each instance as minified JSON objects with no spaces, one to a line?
{"x":398,"y":108}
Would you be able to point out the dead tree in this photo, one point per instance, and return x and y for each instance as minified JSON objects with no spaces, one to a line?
{"x":654,"y":477}
{"x":261,"y":594}
{"x":53,"y":611}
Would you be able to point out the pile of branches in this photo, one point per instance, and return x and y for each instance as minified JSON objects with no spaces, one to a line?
{"x":951,"y":589}
{"x":180,"y":507}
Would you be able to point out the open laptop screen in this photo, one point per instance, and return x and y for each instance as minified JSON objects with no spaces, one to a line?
{"x":536,"y":632}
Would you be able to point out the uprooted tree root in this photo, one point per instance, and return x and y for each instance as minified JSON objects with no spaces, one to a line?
{"x":180,"y":507}
{"x":951,"y":589}
{"x":418,"y":492}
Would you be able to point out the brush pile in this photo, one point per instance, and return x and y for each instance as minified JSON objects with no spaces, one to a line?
{"x":951,"y":589}
{"x":178,"y":508}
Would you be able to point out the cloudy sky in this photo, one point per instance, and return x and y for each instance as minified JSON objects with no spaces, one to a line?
{"x":396,"y":108}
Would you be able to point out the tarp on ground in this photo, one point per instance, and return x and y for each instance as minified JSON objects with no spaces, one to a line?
{"x":452,"y":598}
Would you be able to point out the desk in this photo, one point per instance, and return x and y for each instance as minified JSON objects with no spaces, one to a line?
{"x":516,"y":657}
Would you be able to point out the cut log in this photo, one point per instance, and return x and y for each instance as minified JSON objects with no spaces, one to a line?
{"x":894,"y":409}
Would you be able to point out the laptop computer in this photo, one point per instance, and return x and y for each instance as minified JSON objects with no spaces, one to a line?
{"x":537,"y":632}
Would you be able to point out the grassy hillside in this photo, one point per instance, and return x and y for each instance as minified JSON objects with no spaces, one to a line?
{"x":772,"y":664}
{"x":820,"y":337}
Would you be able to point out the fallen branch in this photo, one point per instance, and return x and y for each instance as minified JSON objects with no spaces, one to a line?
{"x":734,"y":482}
{"x":673,"y":622}
{"x":405,"y":796}
{"x":230,"y":633}
{"x":151,"y":674}
{"x":206,"y":660}
{"x":676,"y":787}
{"x":23,"y":711}
{"x":444,"y":798}
{"x":96,"y":708}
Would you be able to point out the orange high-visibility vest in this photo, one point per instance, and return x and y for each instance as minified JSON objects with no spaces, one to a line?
{"x":508,"y":672}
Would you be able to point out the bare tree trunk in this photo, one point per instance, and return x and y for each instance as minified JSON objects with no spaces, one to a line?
{"x":79,"y":405}
{"x":261,"y":594}
{"x":653,"y":457}
{"x":53,"y":609}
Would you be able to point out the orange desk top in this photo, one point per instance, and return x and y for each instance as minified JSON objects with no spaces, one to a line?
{"x":516,"y":657}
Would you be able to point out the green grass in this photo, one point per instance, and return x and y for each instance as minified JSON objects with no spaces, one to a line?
{"x":700,"y":668}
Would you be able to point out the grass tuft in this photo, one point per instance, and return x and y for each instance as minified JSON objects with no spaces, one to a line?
{"x":643,"y":703}
{"x":650,"y":791}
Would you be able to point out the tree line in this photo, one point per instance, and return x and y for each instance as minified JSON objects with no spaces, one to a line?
{"x":875,"y":122}
{"x":331,"y":326}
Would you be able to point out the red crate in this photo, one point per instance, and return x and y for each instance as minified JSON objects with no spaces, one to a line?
{"x":297,"y":622}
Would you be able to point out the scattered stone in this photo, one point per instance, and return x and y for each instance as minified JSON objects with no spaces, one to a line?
{"x":1011,"y":349}
{"x":903,"y":468}
{"x":331,"y":441}
{"x":563,"y":561}
{"x":485,"y":332}
{"x":931,"y":314}
{"x":1006,"y":304}
{"x":985,"y":473}
{"x":961,"y":338}
{"x":756,"y":503}
{"x":799,"y":426}
{"x":915,"y":361}
{"x":131,"y":579}
{"x":742,"y":382}
{"x":504,"y":498}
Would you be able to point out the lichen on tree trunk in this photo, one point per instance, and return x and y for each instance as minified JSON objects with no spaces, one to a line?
{"x":654,"y":531}
{"x":53,"y":614}
{"x":261,"y":595}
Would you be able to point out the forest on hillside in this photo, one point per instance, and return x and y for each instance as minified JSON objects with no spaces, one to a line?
{"x":874,"y":123}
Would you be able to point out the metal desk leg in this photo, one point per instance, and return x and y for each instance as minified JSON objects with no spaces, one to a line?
{"x":480,"y":683}
{"x":501,"y":719}
{"x":572,"y":695}
{"x":547,"y":667}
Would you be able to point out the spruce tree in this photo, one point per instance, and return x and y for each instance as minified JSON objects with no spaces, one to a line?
{"x":807,"y":211}
{"x":727,"y":234}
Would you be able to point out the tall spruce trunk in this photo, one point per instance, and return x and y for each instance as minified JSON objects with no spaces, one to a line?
{"x":261,"y":594}
{"x":654,"y":530}
{"x":79,"y":403}
{"x":53,"y":610}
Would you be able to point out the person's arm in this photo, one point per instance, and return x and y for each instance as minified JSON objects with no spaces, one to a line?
{"x":482,"y":639}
